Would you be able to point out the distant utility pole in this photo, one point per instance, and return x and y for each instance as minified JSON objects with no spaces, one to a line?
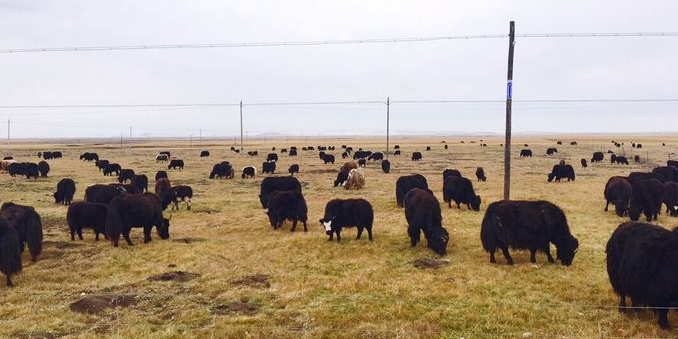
{"x":200,"y":139}
{"x":130,"y":137}
{"x":509,"y":99}
{"x":241,"y":141}
{"x":388,"y":114}
{"x":120,"y":140}
{"x":8,"y":133}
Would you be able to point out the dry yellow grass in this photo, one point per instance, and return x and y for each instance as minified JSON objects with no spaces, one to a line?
{"x":356,"y":289}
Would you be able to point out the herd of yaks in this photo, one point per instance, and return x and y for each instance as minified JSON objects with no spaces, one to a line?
{"x":640,"y":257}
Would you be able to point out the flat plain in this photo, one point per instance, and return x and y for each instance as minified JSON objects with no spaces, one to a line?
{"x":239,"y":278}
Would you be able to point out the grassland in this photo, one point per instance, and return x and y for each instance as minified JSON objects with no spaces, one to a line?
{"x":308,"y":287}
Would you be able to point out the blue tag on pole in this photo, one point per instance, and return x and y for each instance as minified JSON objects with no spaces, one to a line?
{"x":509,"y":90}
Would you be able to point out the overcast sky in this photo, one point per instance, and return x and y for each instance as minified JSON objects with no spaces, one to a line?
{"x":555,"y":68}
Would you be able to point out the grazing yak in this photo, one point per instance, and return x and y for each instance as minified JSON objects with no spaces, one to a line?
{"x":525,"y":153}
{"x":4,"y":165}
{"x":222,"y":170}
{"x":342,"y":213}
{"x":348,"y":166}
{"x":135,"y":210}
{"x":294,"y":168}
{"x":670,"y":198}
{"x":101,"y":164}
{"x":356,"y":179}
{"x":480,"y":174}
{"x":635,"y":177}
{"x":621,"y":160}
{"x":65,"y":191}
{"x":461,"y":191}
{"x":270,"y":184}
{"x":407,"y":182}
{"x":551,"y":150}
{"x":175,"y":194}
{"x":293,"y":152}
{"x":125,"y":174}
{"x":636,"y":159}
{"x":284,"y":205}
{"x":87,"y":156}
{"x":102,"y":194}
{"x":32,"y":170}
{"x":26,"y":221}
{"x":428,"y":148}
{"x":283,"y":150}
{"x":559,"y":142}
{"x":162,"y":186}
{"x":268,"y":167}
{"x":204,"y":154}
{"x":361,"y":154}
{"x":641,"y":265}
{"x":597,"y":157}
{"x":451,"y":172}
{"x":618,"y":192}
{"x":252,"y":153}
{"x":668,"y":172}
{"x":160,"y":174}
{"x":83,"y":214}
{"x":376,"y":156}
{"x":583,"y":163}
{"x":161,"y":157}
{"x":272,"y":157}
{"x":646,"y":197}
{"x":43,"y":168}
{"x":573,"y":143}
{"x":111,"y":168}
{"x":16,"y":168}
{"x":422,"y":211}
{"x":344,"y":155}
{"x":125,"y":188}
{"x":342,"y":176}
{"x":249,"y":172}
{"x":396,"y":153}
{"x":8,"y":158}
{"x":385,"y":166}
{"x":10,"y":251}
{"x":47,"y":155}
{"x":416,"y":156}
{"x":527,"y":225}
{"x":362,"y":162}
{"x":328,"y":158}
{"x":561,"y":171}
{"x":176,"y":163}
{"x":140,"y":182}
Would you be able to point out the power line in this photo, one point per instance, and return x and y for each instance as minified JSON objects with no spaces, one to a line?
{"x":333,"y":42}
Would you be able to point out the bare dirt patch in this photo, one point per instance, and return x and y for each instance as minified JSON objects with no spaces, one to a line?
{"x":257,"y":280}
{"x":424,"y":263}
{"x":189,"y":240}
{"x":238,"y":307}
{"x":96,"y":304}
{"x":178,"y":276}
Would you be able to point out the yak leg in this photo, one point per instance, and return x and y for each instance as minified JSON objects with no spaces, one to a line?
{"x":662,"y":318}
{"x":331,"y":236}
{"x":492,"y":259}
{"x":147,"y":234}
{"x":96,"y":237}
{"x":125,"y":234}
{"x":622,"y":303}
{"x":72,"y":234}
{"x":533,"y":258}
{"x":369,"y":232}
{"x":305,"y":227}
{"x":505,"y":251}
{"x":338,"y":231}
{"x":360,"y":232}
{"x":188,"y":204}
{"x":414,"y":234}
{"x":9,"y":282}
{"x":607,"y":204}
{"x":79,"y":229}
{"x":294,"y":225}
{"x":547,"y":250}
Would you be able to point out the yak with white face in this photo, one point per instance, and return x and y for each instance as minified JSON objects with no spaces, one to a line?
{"x":340,"y":213}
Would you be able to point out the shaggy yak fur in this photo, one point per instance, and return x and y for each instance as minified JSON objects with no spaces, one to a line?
{"x":641,"y":265}
{"x":284,"y":205}
{"x":140,"y":182}
{"x":407,"y":182}
{"x":341,"y":178}
{"x":561,"y":171}
{"x":270,"y":184}
{"x":175,"y":194}
{"x":461,"y":191}
{"x":161,"y":174}
{"x":26,"y":221}
{"x":341,"y":213}
{"x":65,"y":191}
{"x":83,"y":214}
{"x":135,"y":210}
{"x":451,"y":172}
{"x":102,"y":194}
{"x":646,"y":197}
{"x":670,"y":198}
{"x":527,"y":225}
{"x":480,"y":174}
{"x":618,"y":192}
{"x":356,"y":179}
{"x":162,"y":186}
{"x":422,"y":211}
{"x":10,"y":251}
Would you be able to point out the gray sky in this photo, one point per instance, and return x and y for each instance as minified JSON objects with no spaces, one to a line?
{"x":555,"y":68}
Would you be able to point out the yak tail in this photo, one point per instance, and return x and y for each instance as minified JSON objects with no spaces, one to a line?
{"x":34,"y":235}
{"x":114,"y":222}
{"x":10,"y":252}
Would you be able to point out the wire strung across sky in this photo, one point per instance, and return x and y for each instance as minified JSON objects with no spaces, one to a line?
{"x":334,"y":42}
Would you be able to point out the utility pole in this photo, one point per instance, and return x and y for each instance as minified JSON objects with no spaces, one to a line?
{"x":241,"y":141}
{"x":8,"y":123}
{"x":200,"y":140}
{"x":388,"y":114}
{"x":509,"y":99}
{"x":130,"y":137}
{"x":120,"y":140}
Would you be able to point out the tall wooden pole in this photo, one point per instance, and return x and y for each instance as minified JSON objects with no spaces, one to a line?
{"x":509,"y":99}
{"x":241,"y":142}
{"x":130,"y":137}
{"x":388,"y":116}
{"x":8,"y":123}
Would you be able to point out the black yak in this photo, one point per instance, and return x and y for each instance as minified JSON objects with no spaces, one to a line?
{"x":670,"y":198}
{"x":618,"y":192}
{"x":26,"y":221}
{"x":344,"y":155}
{"x":270,"y":184}
{"x":176,"y":163}
{"x":140,"y":182}
{"x":672,"y":163}
{"x":480,"y":174}
{"x":249,"y":172}
{"x":342,"y":176}
{"x":416,"y":156}
{"x":135,"y":210}
{"x":283,"y":205}
{"x":160,"y":174}
{"x":328,"y":158}
{"x":342,"y":213}
{"x":65,"y":191}
{"x":252,"y":153}
{"x":461,"y":191}
{"x":10,"y":251}
{"x":32,"y":170}
{"x":551,"y":150}
{"x":527,"y":225}
{"x":125,"y":174}
{"x":268,"y":167}
{"x":43,"y":168}
{"x":396,"y":153}
{"x":102,"y":194}
{"x":451,"y":172}
{"x":87,"y":156}
{"x":597,"y":157}
{"x":204,"y":154}
{"x":110,"y":168}
{"x":362,"y":162}
{"x":646,"y":197}
{"x":101,"y":164}
{"x":175,"y":194}
{"x":376,"y":156}
{"x":16,"y":168}
{"x":561,"y":171}
{"x":272,"y":157}
{"x":525,"y":153}
{"x":641,"y":265}
{"x":422,"y":211}
{"x":407,"y":182}
{"x":635,"y":177}
{"x":223,"y":169}
{"x":668,"y":172}
{"x":161,"y":157}
{"x":583,"y":163}
{"x":83,"y":214}
{"x":293,"y":152}
{"x":294,"y":168}
{"x":385,"y":166}
{"x":162,"y":186}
